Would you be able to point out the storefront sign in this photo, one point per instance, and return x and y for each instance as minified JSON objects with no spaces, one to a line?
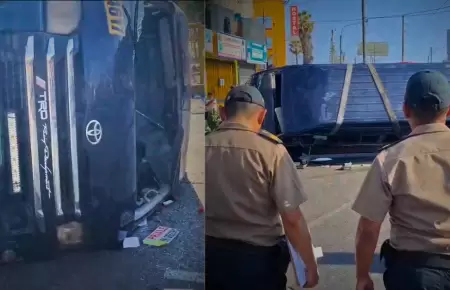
{"x":231,"y":47}
{"x":294,"y":21}
{"x":209,"y":47}
{"x":256,"y":53}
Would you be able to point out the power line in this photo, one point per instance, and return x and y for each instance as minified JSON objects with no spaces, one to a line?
{"x":411,"y":14}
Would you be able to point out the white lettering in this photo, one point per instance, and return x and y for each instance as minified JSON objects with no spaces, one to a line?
{"x":45,"y":168}
{"x":43,"y":106}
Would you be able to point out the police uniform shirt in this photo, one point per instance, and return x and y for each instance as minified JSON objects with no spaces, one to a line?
{"x":411,"y":181}
{"x":250,"y":179}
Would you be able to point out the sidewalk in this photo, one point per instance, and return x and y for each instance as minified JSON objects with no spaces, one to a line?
{"x":195,"y":164}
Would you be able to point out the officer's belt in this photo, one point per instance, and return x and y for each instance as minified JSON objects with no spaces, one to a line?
{"x":415,"y":259}
{"x":229,"y":243}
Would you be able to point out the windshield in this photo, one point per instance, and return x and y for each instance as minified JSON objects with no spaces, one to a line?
{"x":58,"y":17}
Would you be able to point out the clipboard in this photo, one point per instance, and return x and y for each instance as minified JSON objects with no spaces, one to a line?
{"x":299,"y":266}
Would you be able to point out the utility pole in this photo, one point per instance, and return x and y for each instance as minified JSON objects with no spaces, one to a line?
{"x":333,"y":56}
{"x":363,"y":4}
{"x":265,"y":38}
{"x":340,"y":49}
{"x":403,"y":38}
{"x":431,"y":54}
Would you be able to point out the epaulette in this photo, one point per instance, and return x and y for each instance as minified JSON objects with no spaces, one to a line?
{"x":390,"y":145}
{"x":269,"y":136}
{"x":407,"y":137}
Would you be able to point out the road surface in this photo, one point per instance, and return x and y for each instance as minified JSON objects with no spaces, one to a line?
{"x":180,"y":265}
{"x":333,"y":223}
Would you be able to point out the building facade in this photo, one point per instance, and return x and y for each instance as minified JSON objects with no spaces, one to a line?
{"x":271,"y":13}
{"x":234,"y":45}
{"x":195,"y":14}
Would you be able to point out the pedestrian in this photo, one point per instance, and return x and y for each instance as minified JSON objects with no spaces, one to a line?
{"x":410,"y":180}
{"x":250,"y":182}
{"x":210,"y":105}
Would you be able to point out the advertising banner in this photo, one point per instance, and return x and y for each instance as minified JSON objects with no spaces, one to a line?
{"x":231,"y":47}
{"x":256,"y":53}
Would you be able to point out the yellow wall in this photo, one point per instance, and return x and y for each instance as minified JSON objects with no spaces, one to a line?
{"x":275,"y":10}
{"x":216,"y":70}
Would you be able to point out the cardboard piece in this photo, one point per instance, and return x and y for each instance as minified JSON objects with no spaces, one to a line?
{"x":161,"y":236}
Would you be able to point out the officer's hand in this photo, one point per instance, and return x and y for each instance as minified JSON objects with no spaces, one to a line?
{"x":312,"y":277}
{"x":365,"y":283}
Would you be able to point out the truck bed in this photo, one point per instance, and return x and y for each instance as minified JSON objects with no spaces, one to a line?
{"x":340,"y":108}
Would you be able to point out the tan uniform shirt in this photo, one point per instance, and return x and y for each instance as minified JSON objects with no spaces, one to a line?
{"x":249,"y":180}
{"x":411,"y":181}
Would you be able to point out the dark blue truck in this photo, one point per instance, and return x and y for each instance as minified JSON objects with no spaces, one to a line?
{"x":337,"y":110}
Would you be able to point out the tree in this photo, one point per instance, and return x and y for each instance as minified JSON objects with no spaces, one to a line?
{"x":295,"y":48}
{"x":305,"y":29}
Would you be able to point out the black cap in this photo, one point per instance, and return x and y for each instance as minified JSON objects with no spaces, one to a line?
{"x":245,"y":94}
{"x":428,"y":91}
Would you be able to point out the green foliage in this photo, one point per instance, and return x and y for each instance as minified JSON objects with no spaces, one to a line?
{"x":306,"y":28}
{"x":212,"y":122}
{"x":295,"y":48}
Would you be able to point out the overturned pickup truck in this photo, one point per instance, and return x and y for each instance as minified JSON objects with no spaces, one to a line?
{"x":339,"y":110}
{"x":94,"y":120}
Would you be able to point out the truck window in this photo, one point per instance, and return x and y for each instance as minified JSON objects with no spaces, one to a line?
{"x":57,"y":17}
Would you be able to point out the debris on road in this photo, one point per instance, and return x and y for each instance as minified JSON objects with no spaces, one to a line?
{"x":161,"y":236}
{"x":168,"y":202}
{"x":131,"y":242}
{"x":346,"y":166}
{"x":143,"y":223}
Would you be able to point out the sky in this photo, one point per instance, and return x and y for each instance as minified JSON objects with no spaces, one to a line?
{"x":422,"y":32}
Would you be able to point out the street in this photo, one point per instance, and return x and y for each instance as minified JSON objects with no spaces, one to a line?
{"x":177,"y":265}
{"x":333,"y":224}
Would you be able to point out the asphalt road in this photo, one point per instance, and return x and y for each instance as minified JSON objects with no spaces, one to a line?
{"x":333,"y":223}
{"x":178,"y":265}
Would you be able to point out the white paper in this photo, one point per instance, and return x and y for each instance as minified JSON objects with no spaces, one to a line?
{"x":131,"y":242}
{"x":299,"y":265}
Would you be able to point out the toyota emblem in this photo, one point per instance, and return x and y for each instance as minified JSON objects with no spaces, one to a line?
{"x":94,"y":132}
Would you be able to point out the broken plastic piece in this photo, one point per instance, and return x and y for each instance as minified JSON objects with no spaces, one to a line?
{"x":167,"y":202}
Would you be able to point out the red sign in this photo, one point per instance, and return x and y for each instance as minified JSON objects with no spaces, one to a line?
{"x":294,"y":21}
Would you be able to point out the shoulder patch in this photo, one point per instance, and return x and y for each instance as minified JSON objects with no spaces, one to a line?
{"x":385,"y":147}
{"x":269,"y":136}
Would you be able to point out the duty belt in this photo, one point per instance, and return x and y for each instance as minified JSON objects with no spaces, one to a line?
{"x":415,"y":259}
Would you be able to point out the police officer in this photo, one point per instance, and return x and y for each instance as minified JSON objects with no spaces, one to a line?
{"x":250,"y":182}
{"x":410,"y":180}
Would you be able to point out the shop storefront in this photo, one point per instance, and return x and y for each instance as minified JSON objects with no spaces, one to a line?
{"x":256,"y":56}
{"x":222,"y":54}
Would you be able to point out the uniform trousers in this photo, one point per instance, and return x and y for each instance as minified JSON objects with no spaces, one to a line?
{"x":403,"y":276}
{"x":414,"y":270}
{"x":235,"y":265}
